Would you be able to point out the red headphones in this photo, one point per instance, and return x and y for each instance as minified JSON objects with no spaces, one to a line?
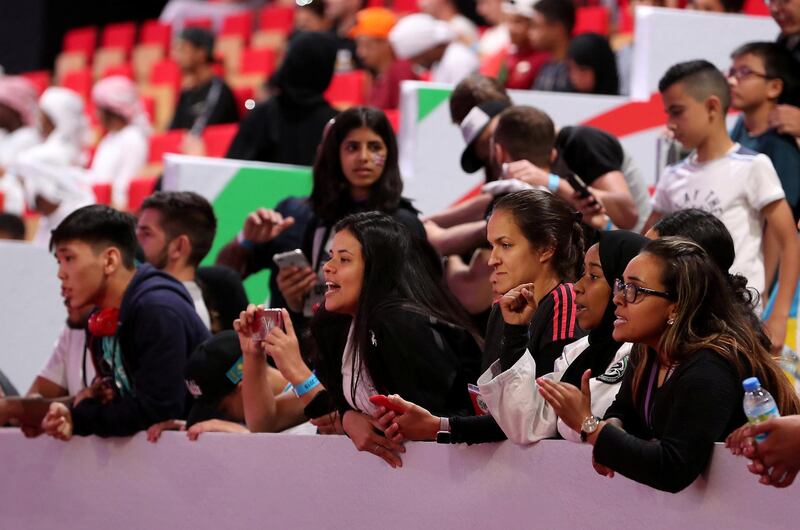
{"x":103,"y":323}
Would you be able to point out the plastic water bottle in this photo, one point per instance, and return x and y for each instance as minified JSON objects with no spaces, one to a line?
{"x":759,"y":405}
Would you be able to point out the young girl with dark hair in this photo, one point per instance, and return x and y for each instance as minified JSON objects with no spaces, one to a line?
{"x":537,"y":241}
{"x":592,"y":65}
{"x":683,"y":391}
{"x":387,"y":326}
{"x":356,"y":170}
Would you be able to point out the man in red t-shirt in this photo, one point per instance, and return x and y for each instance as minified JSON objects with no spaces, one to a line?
{"x":524,"y":61}
{"x":371,"y":34}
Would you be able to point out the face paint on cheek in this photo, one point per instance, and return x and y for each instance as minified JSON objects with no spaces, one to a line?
{"x":379,"y":160}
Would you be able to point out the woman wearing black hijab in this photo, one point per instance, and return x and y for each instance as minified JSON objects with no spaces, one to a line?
{"x":592,"y":65}
{"x":512,"y":396}
{"x":287,"y":128}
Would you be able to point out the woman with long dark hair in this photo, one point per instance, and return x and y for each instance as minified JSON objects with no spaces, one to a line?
{"x":356,"y":170}
{"x":387,"y":326}
{"x":537,"y":241}
{"x":592,"y":65}
{"x":683,"y":391}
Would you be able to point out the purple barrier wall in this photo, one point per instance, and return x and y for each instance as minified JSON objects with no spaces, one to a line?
{"x":298,"y":482}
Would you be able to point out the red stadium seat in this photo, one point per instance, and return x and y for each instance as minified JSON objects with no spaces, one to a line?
{"x":125,"y":69}
{"x":166,"y":72}
{"x":279,"y":18}
{"x":756,"y":7}
{"x":39,"y":78}
{"x":393,"y":115}
{"x":168,"y":142}
{"x":122,"y":35}
{"x":154,"y":32}
{"x":102,"y":193}
{"x":2,"y":201}
{"x":81,"y":40}
{"x":242,"y":94}
{"x":199,"y":22}
{"x":405,"y":6}
{"x":240,"y":24}
{"x":348,"y":87}
{"x":257,"y":61}
{"x":218,"y":138}
{"x":591,"y":20}
{"x":80,"y":81}
{"x":139,"y":190}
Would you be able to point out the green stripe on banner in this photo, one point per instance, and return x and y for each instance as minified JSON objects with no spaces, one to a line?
{"x":429,"y":99}
{"x":248,"y":190}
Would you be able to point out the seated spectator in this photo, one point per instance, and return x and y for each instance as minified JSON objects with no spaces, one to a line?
{"x":357,"y":170}
{"x":18,"y":133}
{"x":775,"y":459}
{"x":122,"y":152}
{"x":495,"y":38}
{"x":205,"y":98}
{"x":523,"y":60}
{"x":592,"y":65}
{"x":223,"y":294}
{"x":740,"y":188}
{"x":431,"y":44}
{"x":683,"y":389}
{"x":287,"y":128}
{"x":553,"y":21}
{"x":175,"y":230}
{"x":785,"y":118}
{"x":341,"y":14}
{"x":387,"y":326}
{"x":762,"y":76}
{"x":537,"y":241}
{"x":214,"y":374}
{"x":716,"y":6}
{"x":143,"y":332}
{"x":51,"y":172}
{"x":310,"y":16}
{"x":371,"y":34}
{"x":12,"y":227}
{"x":511,"y":394}
{"x":447,"y":11}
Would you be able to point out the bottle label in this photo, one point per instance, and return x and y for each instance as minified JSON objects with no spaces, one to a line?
{"x":760,"y":418}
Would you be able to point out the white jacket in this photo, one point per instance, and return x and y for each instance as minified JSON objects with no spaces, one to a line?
{"x":514,"y":401}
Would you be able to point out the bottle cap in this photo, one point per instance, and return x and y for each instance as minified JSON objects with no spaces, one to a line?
{"x":751,"y":383}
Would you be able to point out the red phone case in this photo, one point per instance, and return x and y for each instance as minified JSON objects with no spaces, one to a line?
{"x":383,"y":401}
{"x":263,"y":322}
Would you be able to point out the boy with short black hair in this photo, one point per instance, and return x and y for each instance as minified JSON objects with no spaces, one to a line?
{"x":738,"y":186}
{"x":762,"y":76}
{"x":553,"y":22}
{"x":142,"y":333}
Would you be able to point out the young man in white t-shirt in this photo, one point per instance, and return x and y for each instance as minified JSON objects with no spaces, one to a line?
{"x":175,"y":230}
{"x":739,"y":186}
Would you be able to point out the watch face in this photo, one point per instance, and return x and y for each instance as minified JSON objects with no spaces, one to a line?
{"x":590,"y":424}
{"x":443,"y":437}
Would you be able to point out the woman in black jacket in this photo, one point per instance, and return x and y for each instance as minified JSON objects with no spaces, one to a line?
{"x":683,"y":391}
{"x":387,"y":326}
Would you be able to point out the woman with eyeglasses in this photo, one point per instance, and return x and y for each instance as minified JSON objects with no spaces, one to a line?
{"x":683,"y":390}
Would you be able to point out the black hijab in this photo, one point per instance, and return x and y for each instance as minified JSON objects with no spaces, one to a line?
{"x":307,"y":69}
{"x":617,"y":249}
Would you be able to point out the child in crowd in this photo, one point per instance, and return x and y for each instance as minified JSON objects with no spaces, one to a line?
{"x":592,"y":65}
{"x":762,"y":76}
{"x":736,"y":185}
{"x":553,"y":22}
{"x":523,"y":61}
{"x":683,"y":389}
{"x":536,"y":240}
{"x":511,"y":396}
{"x":388,"y":326}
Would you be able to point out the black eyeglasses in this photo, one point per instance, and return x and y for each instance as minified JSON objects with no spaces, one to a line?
{"x":743,"y":72}
{"x":630,"y":292}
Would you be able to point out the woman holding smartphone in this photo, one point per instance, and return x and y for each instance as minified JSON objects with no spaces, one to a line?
{"x":683,"y":391}
{"x":537,"y":242}
{"x":387,"y":326}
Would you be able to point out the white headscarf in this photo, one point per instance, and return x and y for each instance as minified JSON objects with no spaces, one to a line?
{"x":64,"y":146}
{"x":119,"y":94}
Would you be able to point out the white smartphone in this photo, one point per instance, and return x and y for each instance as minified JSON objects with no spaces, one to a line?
{"x":292,"y":258}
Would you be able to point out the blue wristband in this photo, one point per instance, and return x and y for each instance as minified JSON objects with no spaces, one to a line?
{"x":552,"y":182}
{"x":246,"y":243}
{"x":306,"y":386}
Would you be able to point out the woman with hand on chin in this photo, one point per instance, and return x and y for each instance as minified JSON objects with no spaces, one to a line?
{"x":683,"y":391}
{"x":512,"y":396}
{"x":387,"y":326}
{"x":537,"y":240}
